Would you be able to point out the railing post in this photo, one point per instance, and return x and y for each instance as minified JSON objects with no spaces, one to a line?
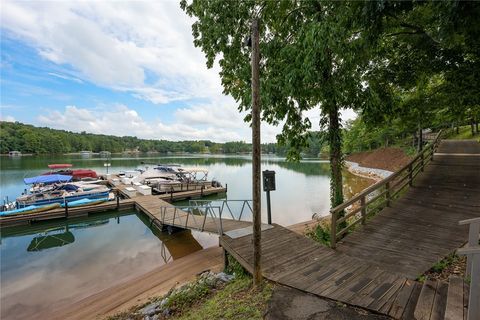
{"x":171,"y":194}
{"x":364,"y":209}
{"x":118,"y":199}
{"x":410,"y":176}
{"x":333,"y":230}
{"x":204,"y":219}
{"x":474,"y":294}
{"x":421,"y":161}
{"x":387,"y":193}
{"x":186,"y":221}
{"x":473,"y":235}
{"x":66,"y":209}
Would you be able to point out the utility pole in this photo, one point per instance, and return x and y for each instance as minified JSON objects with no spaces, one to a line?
{"x":256,"y":151}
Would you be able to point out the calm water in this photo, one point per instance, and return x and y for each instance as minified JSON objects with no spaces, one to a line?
{"x":53,"y":263}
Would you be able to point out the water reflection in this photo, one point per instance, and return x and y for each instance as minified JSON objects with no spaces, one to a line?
{"x":47,"y":265}
{"x":302,"y":188}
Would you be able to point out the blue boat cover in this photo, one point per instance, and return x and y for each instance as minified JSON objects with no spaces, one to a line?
{"x":50,"y":178}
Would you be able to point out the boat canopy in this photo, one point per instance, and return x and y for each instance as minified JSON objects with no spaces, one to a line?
{"x":60,"y":166}
{"x":51,"y":178}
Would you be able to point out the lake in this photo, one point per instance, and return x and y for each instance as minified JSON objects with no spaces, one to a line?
{"x":52,"y":263}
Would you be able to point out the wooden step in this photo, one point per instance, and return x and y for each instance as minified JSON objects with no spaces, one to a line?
{"x":425,"y":302}
{"x":455,"y":301}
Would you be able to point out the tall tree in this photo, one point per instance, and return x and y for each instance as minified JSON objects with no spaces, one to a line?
{"x":312,"y":57}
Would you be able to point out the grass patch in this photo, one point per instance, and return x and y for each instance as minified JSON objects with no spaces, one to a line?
{"x":464,"y":133}
{"x":235,"y":268}
{"x":319,"y":232}
{"x":238,"y":300}
{"x":208,"y":298}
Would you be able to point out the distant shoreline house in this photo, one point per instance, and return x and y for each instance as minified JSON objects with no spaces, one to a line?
{"x":14,"y":153}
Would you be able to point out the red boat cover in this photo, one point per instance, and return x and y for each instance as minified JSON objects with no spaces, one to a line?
{"x":83,"y":173}
{"x":60,"y":166}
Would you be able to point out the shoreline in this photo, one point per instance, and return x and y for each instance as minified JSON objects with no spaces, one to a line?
{"x":365,"y":172}
{"x":155,"y":282}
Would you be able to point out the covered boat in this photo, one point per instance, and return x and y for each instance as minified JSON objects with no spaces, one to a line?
{"x":53,"y":178}
{"x":62,"y":193}
{"x":77,"y":174}
{"x":30,"y":209}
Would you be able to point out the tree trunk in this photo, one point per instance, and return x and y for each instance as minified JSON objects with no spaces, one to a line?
{"x":472,"y":126}
{"x":457,"y":130}
{"x":336,"y":160}
{"x":476,"y":126}
{"x":256,"y":152}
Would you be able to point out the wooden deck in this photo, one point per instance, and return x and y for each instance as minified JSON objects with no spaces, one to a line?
{"x":164,"y":214}
{"x":375,"y":266}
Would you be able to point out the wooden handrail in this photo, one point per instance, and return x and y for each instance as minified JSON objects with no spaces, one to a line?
{"x":392,"y":188}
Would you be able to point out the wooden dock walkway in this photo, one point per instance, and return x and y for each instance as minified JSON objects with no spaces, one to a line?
{"x":164,"y":214}
{"x":375,"y":266}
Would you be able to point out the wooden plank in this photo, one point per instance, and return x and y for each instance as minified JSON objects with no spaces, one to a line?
{"x":408,"y":313}
{"x":439,"y":304}
{"x":401,"y":300}
{"x":423,"y":310}
{"x":454,"y":308}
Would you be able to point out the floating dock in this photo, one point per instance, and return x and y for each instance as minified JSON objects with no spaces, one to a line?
{"x":129,"y":202}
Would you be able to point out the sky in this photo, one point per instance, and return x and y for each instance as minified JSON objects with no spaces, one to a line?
{"x":115,"y":67}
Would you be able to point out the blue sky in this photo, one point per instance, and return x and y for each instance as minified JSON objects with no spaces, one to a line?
{"x":121,"y":68}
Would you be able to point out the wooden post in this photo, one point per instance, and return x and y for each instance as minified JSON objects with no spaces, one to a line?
{"x":256,"y":196}
{"x":474,"y":295}
{"x":364,"y":209}
{"x":171,"y":194}
{"x":225,"y":259}
{"x":421,"y":161}
{"x":387,"y":194}
{"x":66,"y":209}
{"x":118,"y":199}
{"x":473,"y":234}
{"x":333,"y":230}
{"x":410,"y":177}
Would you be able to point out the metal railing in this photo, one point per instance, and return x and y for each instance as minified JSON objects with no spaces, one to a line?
{"x":227,"y":205}
{"x":472,"y":251}
{"x":379,"y":195}
{"x":199,"y":212}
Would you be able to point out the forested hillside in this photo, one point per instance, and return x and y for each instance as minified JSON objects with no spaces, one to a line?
{"x":31,"y":139}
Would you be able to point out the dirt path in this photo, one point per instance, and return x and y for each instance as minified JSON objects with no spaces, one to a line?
{"x":138,"y":290}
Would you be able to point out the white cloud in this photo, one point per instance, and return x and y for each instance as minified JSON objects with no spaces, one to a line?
{"x":65,"y":77}
{"x":141,"y":47}
{"x":118,"y":44}
{"x":7,"y":118}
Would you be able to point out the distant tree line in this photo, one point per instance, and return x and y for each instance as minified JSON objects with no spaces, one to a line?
{"x":30,"y":139}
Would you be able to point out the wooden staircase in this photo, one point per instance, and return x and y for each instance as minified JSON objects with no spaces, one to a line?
{"x":432,"y":300}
